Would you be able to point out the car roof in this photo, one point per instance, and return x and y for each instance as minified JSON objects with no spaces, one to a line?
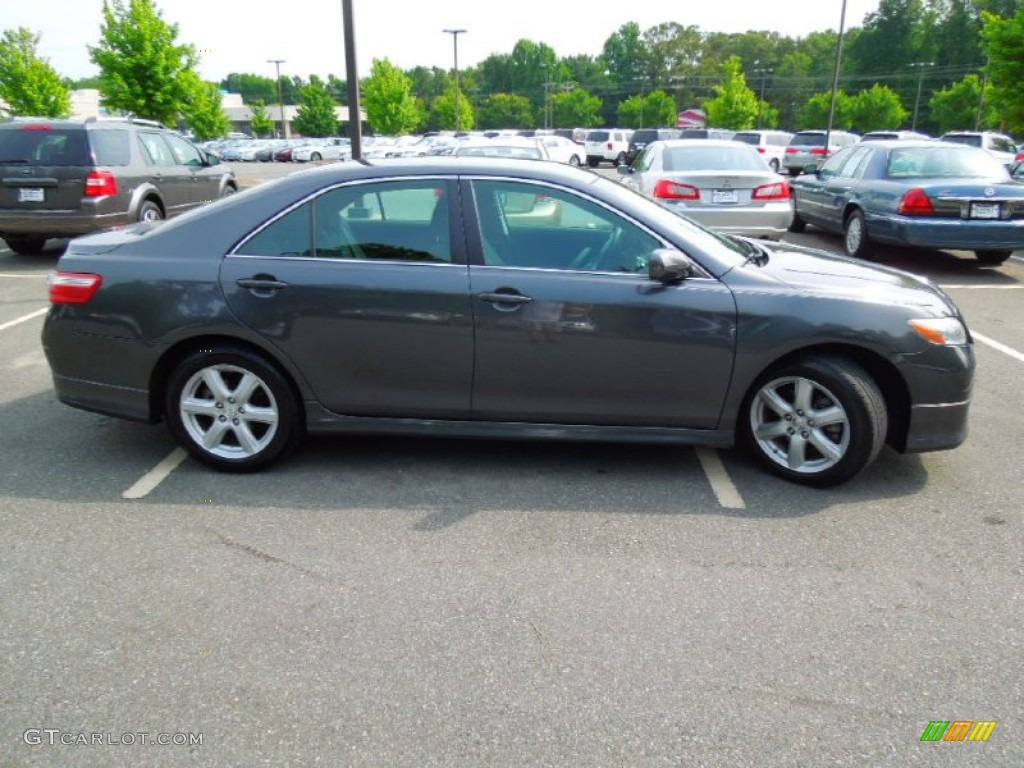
{"x":703,"y":143}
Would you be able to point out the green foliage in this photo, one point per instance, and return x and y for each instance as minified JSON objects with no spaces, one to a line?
{"x":316,"y":116}
{"x":814,"y":115}
{"x":876,"y":109}
{"x":735,"y":105}
{"x":262,"y":123}
{"x":201,"y":108}
{"x":142,"y":67}
{"x":626,"y":55}
{"x":575,"y":109}
{"x":390,"y":106}
{"x":251,"y":88}
{"x":428,"y":84}
{"x":28,"y":84}
{"x":506,"y":110}
{"x":656,"y":109}
{"x":443,"y":112}
{"x":956,"y":108}
{"x":1003,"y":41}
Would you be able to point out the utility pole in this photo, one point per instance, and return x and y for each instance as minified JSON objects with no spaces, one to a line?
{"x":455,"y":43}
{"x":763,"y":72}
{"x":280,"y":97}
{"x":920,"y":66}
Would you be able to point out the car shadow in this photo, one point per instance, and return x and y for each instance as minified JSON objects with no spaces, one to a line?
{"x":52,"y":250}
{"x":60,"y":454}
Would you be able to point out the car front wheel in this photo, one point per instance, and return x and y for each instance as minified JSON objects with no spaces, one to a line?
{"x":855,"y":237}
{"x":993,"y":258}
{"x":575,"y":160}
{"x":150,"y":211}
{"x":819,"y":421}
{"x":25,"y":245}
{"x":232,"y":410}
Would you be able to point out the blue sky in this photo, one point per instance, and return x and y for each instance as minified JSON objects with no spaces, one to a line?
{"x":240,"y":35}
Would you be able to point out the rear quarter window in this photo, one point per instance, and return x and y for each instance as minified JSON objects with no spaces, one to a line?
{"x":111,"y":147}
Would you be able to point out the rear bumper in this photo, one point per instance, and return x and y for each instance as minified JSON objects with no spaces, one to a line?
{"x":41,"y":223}
{"x":971,"y":234}
{"x":770,"y":221}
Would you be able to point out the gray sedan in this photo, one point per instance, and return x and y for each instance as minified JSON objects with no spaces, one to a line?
{"x":725,"y":185}
{"x":413,"y":297}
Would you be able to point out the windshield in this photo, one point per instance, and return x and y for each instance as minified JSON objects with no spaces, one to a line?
{"x":944,"y":162}
{"x":961,"y":138}
{"x":808,"y":140}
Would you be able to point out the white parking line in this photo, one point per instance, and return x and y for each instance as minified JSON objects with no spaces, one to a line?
{"x":958,"y":287}
{"x":34,"y":275}
{"x":1001,"y":347}
{"x":24,"y":318}
{"x":156,"y":475}
{"x":726,"y":493}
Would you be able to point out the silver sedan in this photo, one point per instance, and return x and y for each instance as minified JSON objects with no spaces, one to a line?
{"x":724,"y":185}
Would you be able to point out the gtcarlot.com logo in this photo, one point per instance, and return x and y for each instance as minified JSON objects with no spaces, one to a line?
{"x":55,"y":736}
{"x":958,"y":730}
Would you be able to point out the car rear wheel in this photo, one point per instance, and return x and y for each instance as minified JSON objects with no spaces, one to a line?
{"x":592,"y":162}
{"x":774,"y":163}
{"x":575,"y":160}
{"x":855,"y":237}
{"x":150,"y":211}
{"x":25,"y":245}
{"x":620,"y":159}
{"x":315,"y":157}
{"x":818,"y":421}
{"x":992,"y":257}
{"x":797,"y":224}
{"x":232,"y":410}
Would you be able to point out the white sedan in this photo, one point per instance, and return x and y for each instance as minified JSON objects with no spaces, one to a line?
{"x":563,"y":150}
{"x":325,"y":149}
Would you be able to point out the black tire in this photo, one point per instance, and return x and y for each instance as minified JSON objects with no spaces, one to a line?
{"x":992,"y":257}
{"x":784,"y":436}
{"x":856,"y":240}
{"x":25,"y":246}
{"x":575,"y":161}
{"x":620,"y":159}
{"x":150,"y":211}
{"x":315,"y":157}
{"x":229,"y":190}
{"x":592,"y":162}
{"x":797,"y":224}
{"x":237,"y":441}
{"x":774,"y":164}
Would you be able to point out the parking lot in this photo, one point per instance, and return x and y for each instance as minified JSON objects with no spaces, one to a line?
{"x":394,"y":601}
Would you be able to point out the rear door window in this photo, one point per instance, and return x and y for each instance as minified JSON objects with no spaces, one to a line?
{"x":111,"y":147}
{"x":33,"y":144}
{"x":155,"y":149}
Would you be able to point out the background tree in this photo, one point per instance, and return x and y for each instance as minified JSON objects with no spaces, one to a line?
{"x":575,"y":109}
{"x":142,"y":67}
{"x":735,"y":105}
{"x":656,"y":109}
{"x":28,"y":84}
{"x":316,"y":115}
{"x":1003,"y":41}
{"x":391,"y":108}
{"x":814,"y":114}
{"x":956,"y":108}
{"x":429,"y":83}
{"x":626,"y":55}
{"x":262,"y":123}
{"x":878,"y":108}
{"x":506,"y":110}
{"x":443,"y":112}
{"x":251,"y":88}
{"x":201,"y":108}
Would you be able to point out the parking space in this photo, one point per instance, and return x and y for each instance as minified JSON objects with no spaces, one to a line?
{"x":508,"y":603}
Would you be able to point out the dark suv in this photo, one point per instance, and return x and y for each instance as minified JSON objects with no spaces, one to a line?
{"x":61,"y":178}
{"x":644,"y":136}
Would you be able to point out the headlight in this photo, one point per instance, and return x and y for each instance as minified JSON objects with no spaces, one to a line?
{"x":945,"y":331}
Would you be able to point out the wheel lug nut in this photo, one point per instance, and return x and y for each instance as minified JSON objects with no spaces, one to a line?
{"x":791,"y":431}
{"x":235,"y":422}
{"x":789,"y":417}
{"x":804,"y":434}
{"x":798,"y":413}
{"x":222,"y":418}
{"x":242,"y":410}
{"x":231,"y":400}
{"x":220,"y":405}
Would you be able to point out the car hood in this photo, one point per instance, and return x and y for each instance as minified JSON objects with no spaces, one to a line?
{"x":826,"y":273}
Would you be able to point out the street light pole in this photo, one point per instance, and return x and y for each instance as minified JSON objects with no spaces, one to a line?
{"x":920,"y":66}
{"x":455,"y":44}
{"x":835,"y":79}
{"x":280,"y":98}
{"x":763,"y":72}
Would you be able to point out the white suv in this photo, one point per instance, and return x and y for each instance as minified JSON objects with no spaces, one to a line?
{"x":610,"y":145}
{"x":998,"y":145}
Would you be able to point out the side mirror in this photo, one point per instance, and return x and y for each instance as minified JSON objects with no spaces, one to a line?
{"x":810,"y":168}
{"x":624,"y":170}
{"x":669,"y":266}
{"x":212,"y":159}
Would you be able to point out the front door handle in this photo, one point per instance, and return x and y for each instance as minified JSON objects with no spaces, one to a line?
{"x":261,"y":284}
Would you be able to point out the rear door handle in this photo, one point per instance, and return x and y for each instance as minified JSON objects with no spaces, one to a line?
{"x":504,"y":298}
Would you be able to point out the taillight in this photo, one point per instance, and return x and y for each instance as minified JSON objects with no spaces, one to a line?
{"x":761,"y":150}
{"x":100,"y":183}
{"x":790,"y":150}
{"x":916,"y":203}
{"x":36,"y":127}
{"x":777,"y":190}
{"x":670,"y":190}
{"x":819,"y":151}
{"x":610,"y":146}
{"x":73,"y":287}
